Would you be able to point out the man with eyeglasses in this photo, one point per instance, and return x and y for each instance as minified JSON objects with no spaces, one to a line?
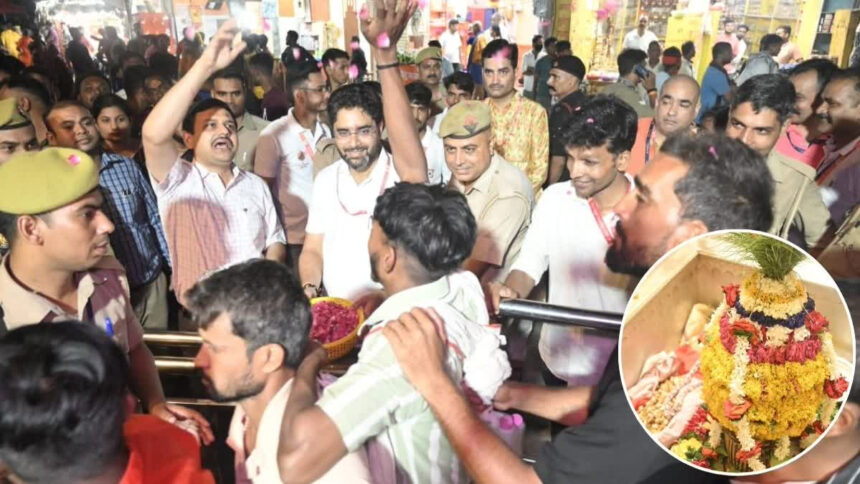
{"x":285,"y":152}
{"x":344,"y":194}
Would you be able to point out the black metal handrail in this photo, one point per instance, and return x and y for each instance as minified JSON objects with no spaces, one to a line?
{"x":560,"y":315}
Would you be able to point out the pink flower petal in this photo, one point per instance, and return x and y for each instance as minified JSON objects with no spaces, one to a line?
{"x":383,"y":41}
{"x":363,"y":14}
{"x":319,"y":65}
{"x":297,"y":54}
{"x":74,"y":160}
{"x":353,"y":72}
{"x":422,"y":3}
{"x":354,"y":46}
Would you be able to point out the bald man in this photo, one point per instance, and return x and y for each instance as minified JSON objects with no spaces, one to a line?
{"x":675,"y":112}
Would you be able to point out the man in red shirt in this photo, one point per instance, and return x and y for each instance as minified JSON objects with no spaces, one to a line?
{"x":74,"y":374}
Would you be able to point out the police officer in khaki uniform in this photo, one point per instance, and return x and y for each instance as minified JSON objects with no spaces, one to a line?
{"x":59,"y":266}
{"x":499,"y":194}
{"x":797,"y":200}
{"x":429,"y":62}
{"x":17,"y":133}
{"x":761,"y":112}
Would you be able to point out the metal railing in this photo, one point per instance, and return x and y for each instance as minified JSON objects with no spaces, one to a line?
{"x":517,"y":309}
{"x":560,"y":315}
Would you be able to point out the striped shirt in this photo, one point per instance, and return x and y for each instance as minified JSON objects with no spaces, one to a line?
{"x":138,"y":239}
{"x":405,"y":443}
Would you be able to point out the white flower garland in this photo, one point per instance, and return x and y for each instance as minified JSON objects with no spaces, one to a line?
{"x":783,"y":448}
{"x":809,"y":440}
{"x":828,"y":408}
{"x":801,"y":334}
{"x":777,"y":336}
{"x":830,"y":355}
{"x":744,"y":434}
{"x":715,"y":433}
{"x":739,"y":372}
{"x":755,"y":464}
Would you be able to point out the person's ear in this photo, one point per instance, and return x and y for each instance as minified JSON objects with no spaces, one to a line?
{"x":622,"y":160}
{"x":51,"y":137}
{"x":685,"y":231}
{"x":273,"y":357}
{"x":30,"y":229}
{"x":389,"y":259}
{"x":25,"y":104}
{"x":847,"y":421}
{"x":189,"y":140}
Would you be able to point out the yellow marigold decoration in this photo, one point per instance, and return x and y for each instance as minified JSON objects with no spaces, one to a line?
{"x":778,"y":299}
{"x":686,"y":445}
{"x":785,"y":397}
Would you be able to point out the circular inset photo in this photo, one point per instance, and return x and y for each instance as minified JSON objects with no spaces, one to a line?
{"x":737,"y":352}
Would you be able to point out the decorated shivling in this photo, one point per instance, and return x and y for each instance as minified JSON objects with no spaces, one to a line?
{"x":761,"y":380}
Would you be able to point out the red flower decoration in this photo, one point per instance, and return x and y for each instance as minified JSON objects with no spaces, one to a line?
{"x":708,"y":453}
{"x":702,"y":463}
{"x":744,"y":326}
{"x":835,"y":388}
{"x":744,"y":455}
{"x":731,"y":291}
{"x":815,"y":322}
{"x":640,"y":401}
{"x":735,"y":412}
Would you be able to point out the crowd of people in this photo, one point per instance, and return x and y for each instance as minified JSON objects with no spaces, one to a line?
{"x":220,"y":191}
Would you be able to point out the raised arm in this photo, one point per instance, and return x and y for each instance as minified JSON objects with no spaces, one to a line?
{"x":167,"y":115}
{"x":383,"y":29}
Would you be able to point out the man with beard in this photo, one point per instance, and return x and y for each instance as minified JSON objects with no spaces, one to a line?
{"x":429,"y":62}
{"x":138,"y":240}
{"x":694,"y":185}
{"x":254,"y":322}
{"x":16,"y":131}
{"x":565,"y":80}
{"x":675,"y":112}
{"x":214,"y":213}
{"x":344,"y":193}
{"x":520,"y":125}
{"x":598,"y":139}
{"x":839,"y":172}
{"x":761,"y":111}
{"x":285,"y":152}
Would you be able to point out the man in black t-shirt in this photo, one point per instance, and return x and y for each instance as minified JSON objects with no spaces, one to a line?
{"x":565,"y":79}
{"x":672,"y":202}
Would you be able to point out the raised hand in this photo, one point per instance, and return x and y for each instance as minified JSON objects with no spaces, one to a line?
{"x":383,"y":25}
{"x":224,"y":48}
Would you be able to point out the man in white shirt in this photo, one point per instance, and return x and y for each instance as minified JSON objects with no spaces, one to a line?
{"x":640,"y":37}
{"x":421,"y":102}
{"x":285,"y":152}
{"x":451,"y":44}
{"x":254,"y":322}
{"x":214,"y":213}
{"x":344,"y":194}
{"x":529,"y":61}
{"x":598,"y":141}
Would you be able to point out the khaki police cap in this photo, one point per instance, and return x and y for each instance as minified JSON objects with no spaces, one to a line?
{"x":465,"y":119}
{"x":10,"y":116}
{"x":40,"y":181}
{"x":428,"y":53}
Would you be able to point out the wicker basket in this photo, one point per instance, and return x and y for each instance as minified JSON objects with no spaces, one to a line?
{"x":340,"y":348}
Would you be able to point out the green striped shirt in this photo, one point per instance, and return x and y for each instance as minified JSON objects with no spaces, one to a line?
{"x":374,"y":403}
